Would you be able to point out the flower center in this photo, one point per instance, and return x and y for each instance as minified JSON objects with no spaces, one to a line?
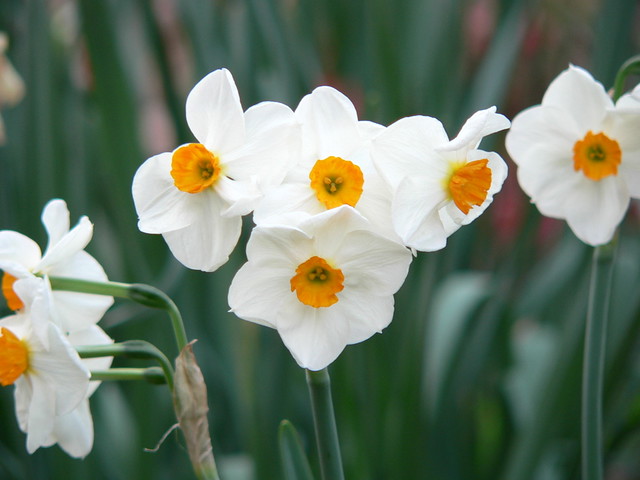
{"x":194,"y":168}
{"x":597,"y":155}
{"x":469,"y":184}
{"x":14,"y":357}
{"x":316,"y":283}
{"x":336,"y":182}
{"x":13,"y":301}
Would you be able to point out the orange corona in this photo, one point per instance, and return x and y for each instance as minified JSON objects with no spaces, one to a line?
{"x":469,"y":184}
{"x":194,"y":168}
{"x":597,"y":155}
{"x":316,"y":283}
{"x":336,"y":182}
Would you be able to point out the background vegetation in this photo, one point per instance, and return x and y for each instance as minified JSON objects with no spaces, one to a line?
{"x":478,"y":375}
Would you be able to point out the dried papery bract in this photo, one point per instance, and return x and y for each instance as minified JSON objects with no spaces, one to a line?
{"x":190,"y":403}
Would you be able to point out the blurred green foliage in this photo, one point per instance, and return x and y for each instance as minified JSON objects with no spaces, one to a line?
{"x":478,"y":376}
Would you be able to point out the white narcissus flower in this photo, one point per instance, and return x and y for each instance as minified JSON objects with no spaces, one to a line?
{"x":578,"y":154}
{"x":195,"y":196}
{"x":21,"y":257}
{"x":334,"y":167}
{"x":49,"y":377}
{"x":324,"y":283}
{"x":438,"y":184}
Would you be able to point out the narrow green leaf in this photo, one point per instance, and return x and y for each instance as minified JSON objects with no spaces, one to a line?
{"x":294,"y":461}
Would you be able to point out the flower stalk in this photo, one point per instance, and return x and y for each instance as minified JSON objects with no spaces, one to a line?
{"x":150,"y":374}
{"x":132,"y":349}
{"x":594,"y":359}
{"x":137,"y":292}
{"x":324,"y":421}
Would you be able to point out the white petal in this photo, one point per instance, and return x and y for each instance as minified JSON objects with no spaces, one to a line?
{"x":368,"y":314}
{"x":161,"y":207}
{"x":585,"y":99}
{"x":329,"y":123}
{"x":330,"y":228}
{"x":279,"y":246}
{"x":62,"y":368}
{"x":314,"y":336}
{"x":55,"y":217}
{"x":241,"y":197}
{"x":256,"y":294}
{"x":272,"y":144}
{"x":407,"y":148}
{"x":73,"y":431}
{"x":415,"y":214}
{"x":41,"y":411}
{"x":206,"y":243}
{"x":71,"y":243}
{"x":478,"y":126}
{"x":76,"y":311}
{"x":380,"y":268}
{"x":92,"y":335}
{"x":286,"y":198}
{"x":597,"y":210}
{"x":556,"y":127}
{"x":17,"y":251}
{"x":214,"y":113}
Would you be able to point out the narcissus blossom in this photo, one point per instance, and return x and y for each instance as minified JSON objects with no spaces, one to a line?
{"x":21,"y":257}
{"x":195,"y":196}
{"x":324,"y":283}
{"x":578,"y":154}
{"x":438,"y":184}
{"x":334,"y":167}
{"x":49,"y":377}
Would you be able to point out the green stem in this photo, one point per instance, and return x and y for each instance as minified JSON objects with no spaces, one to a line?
{"x":593,"y":365}
{"x":324,"y":420}
{"x":630,"y":67}
{"x":140,"y":293}
{"x":151,"y":374}
{"x":132,"y":349}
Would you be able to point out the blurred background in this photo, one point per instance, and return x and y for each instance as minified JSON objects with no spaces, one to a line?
{"x":477,"y":377}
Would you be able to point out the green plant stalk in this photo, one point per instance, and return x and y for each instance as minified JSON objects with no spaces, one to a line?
{"x":594,"y":359}
{"x":324,"y":421}
{"x":630,"y":67}
{"x":150,"y":374}
{"x":137,"y":292}
{"x":132,"y":349}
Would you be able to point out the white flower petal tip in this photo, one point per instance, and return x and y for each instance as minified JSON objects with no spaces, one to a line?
{"x":325,"y":282}
{"x":578,"y":155}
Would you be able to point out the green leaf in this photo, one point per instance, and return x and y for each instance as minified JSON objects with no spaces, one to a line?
{"x":294,"y":461}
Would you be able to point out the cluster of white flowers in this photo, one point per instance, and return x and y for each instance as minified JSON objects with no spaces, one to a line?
{"x":37,"y":355}
{"x":338,"y":204}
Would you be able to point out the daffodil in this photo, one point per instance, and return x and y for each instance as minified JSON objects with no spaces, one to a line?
{"x":49,"y":377}
{"x":195,"y":196}
{"x":438,"y":184}
{"x":21,"y":257}
{"x":578,"y":154}
{"x":334,"y":167}
{"x":323,"y":283}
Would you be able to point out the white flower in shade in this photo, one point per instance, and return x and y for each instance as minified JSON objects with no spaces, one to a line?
{"x":334,"y":167}
{"x":323,"y":284}
{"x":195,"y":196}
{"x":21,"y":257}
{"x":578,"y":154}
{"x":438,"y":184}
{"x":73,"y":431}
{"x":49,"y":377}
